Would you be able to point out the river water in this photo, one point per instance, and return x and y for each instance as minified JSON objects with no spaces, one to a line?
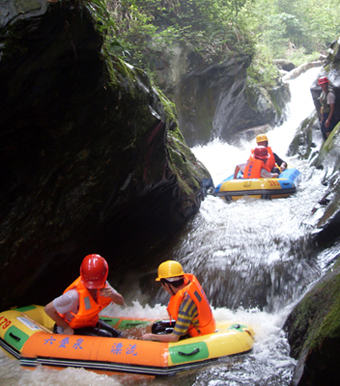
{"x":254,"y":258}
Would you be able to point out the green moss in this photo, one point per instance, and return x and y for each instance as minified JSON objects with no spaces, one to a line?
{"x":328,"y":145}
{"x":27,"y":5}
{"x":170,"y":111}
{"x":330,"y":326}
{"x":317,"y":316}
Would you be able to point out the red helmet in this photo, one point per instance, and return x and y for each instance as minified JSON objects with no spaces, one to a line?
{"x":323,"y":80}
{"x":261,"y":152}
{"x":93,"y":271}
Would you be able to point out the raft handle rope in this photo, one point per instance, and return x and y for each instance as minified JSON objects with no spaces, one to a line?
{"x":189,"y":353}
{"x":15,"y":337}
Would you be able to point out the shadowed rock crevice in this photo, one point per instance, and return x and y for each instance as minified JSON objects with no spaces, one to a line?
{"x":91,"y":156}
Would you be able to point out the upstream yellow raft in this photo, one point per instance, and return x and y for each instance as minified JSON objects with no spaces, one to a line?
{"x":232,"y":189}
{"x":26,"y":334}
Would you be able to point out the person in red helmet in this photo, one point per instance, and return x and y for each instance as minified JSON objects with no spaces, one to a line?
{"x":327,"y":100}
{"x":256,"y":165}
{"x":77,"y":310}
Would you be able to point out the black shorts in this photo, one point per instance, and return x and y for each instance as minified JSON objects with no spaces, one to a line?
{"x":325,"y":129}
{"x":101,"y":329}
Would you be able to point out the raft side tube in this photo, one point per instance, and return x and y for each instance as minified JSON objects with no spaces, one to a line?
{"x":99,"y":349}
{"x":288,"y":179}
{"x":17,"y":328}
{"x":33,"y":344}
{"x":259,"y":192}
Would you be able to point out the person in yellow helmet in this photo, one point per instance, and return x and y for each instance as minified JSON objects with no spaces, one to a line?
{"x":188,"y":305}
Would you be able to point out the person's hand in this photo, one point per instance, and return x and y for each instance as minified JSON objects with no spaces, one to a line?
{"x":147,"y":337}
{"x":327,"y":123}
{"x":275,"y":175}
{"x":68,"y":331}
{"x":107,"y":292}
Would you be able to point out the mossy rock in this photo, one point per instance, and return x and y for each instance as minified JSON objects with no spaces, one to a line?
{"x":314,"y":332}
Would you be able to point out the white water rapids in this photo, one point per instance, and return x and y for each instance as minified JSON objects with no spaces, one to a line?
{"x":254,"y":259}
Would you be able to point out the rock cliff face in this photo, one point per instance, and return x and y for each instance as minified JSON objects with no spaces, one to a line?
{"x":327,"y":158}
{"x":91,"y":160}
{"x":313,"y":328}
{"x":217,"y":103}
{"x":214,"y":101}
{"x":314,"y":333}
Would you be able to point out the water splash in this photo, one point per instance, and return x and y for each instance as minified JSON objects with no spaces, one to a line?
{"x":254,"y":258}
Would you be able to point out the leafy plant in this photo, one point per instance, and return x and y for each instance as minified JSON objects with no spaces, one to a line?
{"x":148,"y":27}
{"x":262,"y":71}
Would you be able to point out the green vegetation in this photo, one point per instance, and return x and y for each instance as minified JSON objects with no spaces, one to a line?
{"x":146,"y":33}
{"x":287,"y":26}
{"x":297,"y":30}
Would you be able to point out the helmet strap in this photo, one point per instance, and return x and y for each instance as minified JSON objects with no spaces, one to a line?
{"x":164,"y":281}
{"x":172,"y":291}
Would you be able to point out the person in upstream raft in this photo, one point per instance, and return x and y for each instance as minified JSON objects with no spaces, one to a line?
{"x":188,"y":305}
{"x":274,"y":163}
{"x":76,"y":312}
{"x":327,"y":100}
{"x":256,"y":166}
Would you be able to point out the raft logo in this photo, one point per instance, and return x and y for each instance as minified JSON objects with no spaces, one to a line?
{"x":51,"y":340}
{"x":131,"y":350}
{"x":64,"y":342}
{"x":32,"y":326}
{"x":117,"y":349}
{"x":4,"y":322}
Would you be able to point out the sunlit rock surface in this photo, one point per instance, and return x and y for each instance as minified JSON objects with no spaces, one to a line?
{"x":91,"y":161}
{"x":213,"y":97}
{"x":217,"y":102}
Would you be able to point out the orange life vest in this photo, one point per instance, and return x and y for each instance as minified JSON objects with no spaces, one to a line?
{"x":87,"y":315}
{"x":270,"y":163}
{"x":253,"y":168}
{"x":206,"y":322}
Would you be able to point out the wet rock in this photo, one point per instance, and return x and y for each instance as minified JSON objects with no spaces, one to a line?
{"x":305,"y":137}
{"x":313,"y":330}
{"x":284,"y":64}
{"x":92,"y":159}
{"x":301,"y":69}
{"x":217,"y":102}
{"x":313,"y":327}
{"x":328,"y":160}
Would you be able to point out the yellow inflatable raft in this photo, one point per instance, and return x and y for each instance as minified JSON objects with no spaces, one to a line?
{"x":26,"y":334}
{"x":232,"y":189}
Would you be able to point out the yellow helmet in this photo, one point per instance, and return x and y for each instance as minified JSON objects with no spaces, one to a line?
{"x":169,"y":268}
{"x":261,"y":138}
